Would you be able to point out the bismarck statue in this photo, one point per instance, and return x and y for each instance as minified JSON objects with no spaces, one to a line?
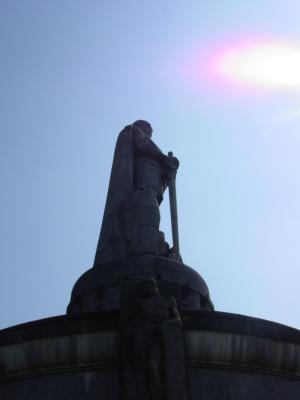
{"x":131,"y":245}
{"x":139,"y":324}
{"x":140,"y":174}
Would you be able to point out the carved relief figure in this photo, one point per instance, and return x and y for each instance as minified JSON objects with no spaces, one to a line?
{"x":147,"y":329}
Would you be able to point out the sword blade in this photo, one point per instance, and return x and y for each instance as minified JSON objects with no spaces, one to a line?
{"x":174,"y":216}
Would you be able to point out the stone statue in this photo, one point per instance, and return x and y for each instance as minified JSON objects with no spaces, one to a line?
{"x":140,"y":174}
{"x":131,"y":245}
{"x":147,"y":336}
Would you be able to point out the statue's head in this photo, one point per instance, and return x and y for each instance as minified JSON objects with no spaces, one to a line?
{"x":143,"y":126}
{"x":149,"y":287}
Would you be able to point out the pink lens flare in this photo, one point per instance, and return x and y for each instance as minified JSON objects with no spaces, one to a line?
{"x":268,"y":64}
{"x":251,"y":63}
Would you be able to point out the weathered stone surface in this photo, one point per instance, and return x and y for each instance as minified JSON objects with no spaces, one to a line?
{"x":153,"y":358}
{"x":83,"y":385}
{"x":59,"y":352}
{"x":55,"y":344}
{"x":139,"y":177}
{"x":99,"y":287}
{"x":228,"y":356}
{"x":222,"y":384}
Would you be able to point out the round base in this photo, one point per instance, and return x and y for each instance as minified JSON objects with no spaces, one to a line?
{"x":100,"y":287}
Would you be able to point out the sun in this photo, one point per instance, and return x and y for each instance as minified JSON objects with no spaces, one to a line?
{"x":270,"y":64}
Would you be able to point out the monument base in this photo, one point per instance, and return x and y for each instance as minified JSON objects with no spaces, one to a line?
{"x":228,"y":356}
{"x":98,"y":289}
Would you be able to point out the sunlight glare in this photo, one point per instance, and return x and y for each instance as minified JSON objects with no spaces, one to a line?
{"x":270,"y":64}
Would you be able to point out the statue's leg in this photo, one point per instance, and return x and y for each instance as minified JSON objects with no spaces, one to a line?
{"x":139,"y":218}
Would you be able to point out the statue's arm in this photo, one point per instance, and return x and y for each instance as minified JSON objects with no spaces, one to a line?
{"x":143,"y":145}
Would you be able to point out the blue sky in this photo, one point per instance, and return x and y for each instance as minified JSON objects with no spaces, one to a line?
{"x":73,"y":74}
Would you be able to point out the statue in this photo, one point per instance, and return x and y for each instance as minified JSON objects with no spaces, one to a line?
{"x":140,"y":174}
{"x":131,"y":245}
{"x":151,"y":346}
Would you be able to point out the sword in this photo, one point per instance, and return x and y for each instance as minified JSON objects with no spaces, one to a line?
{"x":173,"y":209}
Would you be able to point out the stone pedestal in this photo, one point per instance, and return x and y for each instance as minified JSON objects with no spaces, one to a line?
{"x":98,"y":289}
{"x":228,"y":356}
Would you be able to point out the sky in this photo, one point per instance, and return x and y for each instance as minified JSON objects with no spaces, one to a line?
{"x":74,"y":73}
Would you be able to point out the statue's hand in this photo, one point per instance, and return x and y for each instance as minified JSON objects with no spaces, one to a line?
{"x":172,"y":162}
{"x":171,"y":165}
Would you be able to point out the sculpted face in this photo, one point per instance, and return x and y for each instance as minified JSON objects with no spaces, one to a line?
{"x":144,"y":126}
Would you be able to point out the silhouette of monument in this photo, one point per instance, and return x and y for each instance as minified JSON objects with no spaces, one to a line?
{"x":140,"y":323}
